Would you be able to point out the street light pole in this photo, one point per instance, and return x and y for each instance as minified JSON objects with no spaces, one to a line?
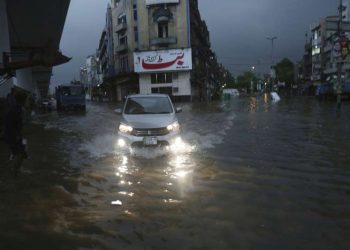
{"x":272,"y":39}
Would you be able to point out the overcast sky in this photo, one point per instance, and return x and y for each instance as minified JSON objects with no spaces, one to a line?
{"x":238,"y":30}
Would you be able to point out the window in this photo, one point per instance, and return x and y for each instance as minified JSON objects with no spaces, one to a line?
{"x":124,"y":64}
{"x":163,"y":30}
{"x":164,"y":90}
{"x":136,"y":34}
{"x":147,"y":105}
{"x":122,"y":19}
{"x":159,"y":78}
{"x":135,"y":12}
{"x":122,"y":38}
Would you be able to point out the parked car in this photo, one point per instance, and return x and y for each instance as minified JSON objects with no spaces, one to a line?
{"x":148,"y":121}
{"x":45,"y":105}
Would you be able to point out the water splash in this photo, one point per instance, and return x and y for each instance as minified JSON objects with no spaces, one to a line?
{"x":100,"y":146}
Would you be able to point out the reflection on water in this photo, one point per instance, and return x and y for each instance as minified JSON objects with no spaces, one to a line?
{"x":266,"y":102}
{"x":247,"y":174}
{"x":253,"y":105}
{"x":177,"y":173}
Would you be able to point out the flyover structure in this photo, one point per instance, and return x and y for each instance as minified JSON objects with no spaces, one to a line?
{"x":30,"y":35}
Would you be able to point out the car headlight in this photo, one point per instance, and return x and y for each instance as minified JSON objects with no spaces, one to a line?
{"x":173,"y":127}
{"x":125,"y":128}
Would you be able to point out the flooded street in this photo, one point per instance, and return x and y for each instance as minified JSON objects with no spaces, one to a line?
{"x":251,"y":175}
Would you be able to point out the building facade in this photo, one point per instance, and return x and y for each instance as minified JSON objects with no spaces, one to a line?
{"x":105,"y":88}
{"x":89,"y":74}
{"x":326,"y":47}
{"x":155,"y":43}
{"x":152,"y":34}
{"x":207,"y":74}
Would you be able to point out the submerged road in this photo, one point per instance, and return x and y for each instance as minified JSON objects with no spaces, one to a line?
{"x":252,"y":175}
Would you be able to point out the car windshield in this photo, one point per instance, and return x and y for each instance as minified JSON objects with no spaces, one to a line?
{"x":148,"y":105}
{"x":72,"y":90}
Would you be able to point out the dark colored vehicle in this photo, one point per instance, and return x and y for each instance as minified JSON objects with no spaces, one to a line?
{"x":347,"y":88}
{"x":70,"y":97}
{"x":45,"y":105}
{"x":324,"y":89}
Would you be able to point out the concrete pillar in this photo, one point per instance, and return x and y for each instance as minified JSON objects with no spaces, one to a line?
{"x":4,"y":38}
{"x":4,"y":45}
{"x":24,"y":79}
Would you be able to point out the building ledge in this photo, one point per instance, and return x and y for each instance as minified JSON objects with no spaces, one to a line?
{"x":122,"y":48}
{"x":121,"y":27}
{"x":156,"y":2}
{"x":163,"y":41}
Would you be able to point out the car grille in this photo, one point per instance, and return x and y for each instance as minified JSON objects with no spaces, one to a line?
{"x":150,"y":132}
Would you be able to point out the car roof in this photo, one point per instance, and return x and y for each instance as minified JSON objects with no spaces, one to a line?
{"x":148,"y":95}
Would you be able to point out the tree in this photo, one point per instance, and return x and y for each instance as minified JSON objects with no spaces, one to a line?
{"x":285,"y":71}
{"x":245,"y":81}
{"x":228,"y":80}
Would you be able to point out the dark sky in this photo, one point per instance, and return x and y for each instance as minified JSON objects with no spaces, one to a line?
{"x":238,"y":30}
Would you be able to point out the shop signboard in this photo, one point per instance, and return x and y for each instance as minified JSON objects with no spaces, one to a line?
{"x":163,"y":60}
{"x":341,"y":48}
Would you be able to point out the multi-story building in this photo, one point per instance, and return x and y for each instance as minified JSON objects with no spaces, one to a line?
{"x":105,"y":60}
{"x":153,"y":41}
{"x":152,"y":47}
{"x":307,"y":63}
{"x":125,"y":36}
{"x":207,"y":72}
{"x":303,"y":71}
{"x":325,"y":37}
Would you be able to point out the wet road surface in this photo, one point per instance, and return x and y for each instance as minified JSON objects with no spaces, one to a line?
{"x":251,"y":175}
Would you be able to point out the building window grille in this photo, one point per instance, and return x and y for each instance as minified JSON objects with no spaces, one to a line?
{"x":122,"y":19}
{"x":124,"y":64}
{"x":123,"y":41}
{"x":135,"y":12}
{"x":163,"y":30}
{"x":161,"y":78}
{"x":163,"y":90}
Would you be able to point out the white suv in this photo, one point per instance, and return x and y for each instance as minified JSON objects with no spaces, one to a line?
{"x":148,"y":121}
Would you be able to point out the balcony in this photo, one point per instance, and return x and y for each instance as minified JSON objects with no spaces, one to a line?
{"x":122,"y":48}
{"x":163,"y":41}
{"x":156,"y":2}
{"x":121,"y":27}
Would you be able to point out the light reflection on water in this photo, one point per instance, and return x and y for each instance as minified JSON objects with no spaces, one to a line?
{"x":253,"y":175}
{"x":178,"y":173}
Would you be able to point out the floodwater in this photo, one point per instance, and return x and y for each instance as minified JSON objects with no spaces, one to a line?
{"x":251,"y":175}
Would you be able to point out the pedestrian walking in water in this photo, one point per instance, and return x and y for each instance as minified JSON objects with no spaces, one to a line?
{"x":13,"y":132}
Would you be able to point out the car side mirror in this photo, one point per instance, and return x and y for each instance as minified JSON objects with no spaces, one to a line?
{"x":178,"y":110}
{"x":118,"y":111}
